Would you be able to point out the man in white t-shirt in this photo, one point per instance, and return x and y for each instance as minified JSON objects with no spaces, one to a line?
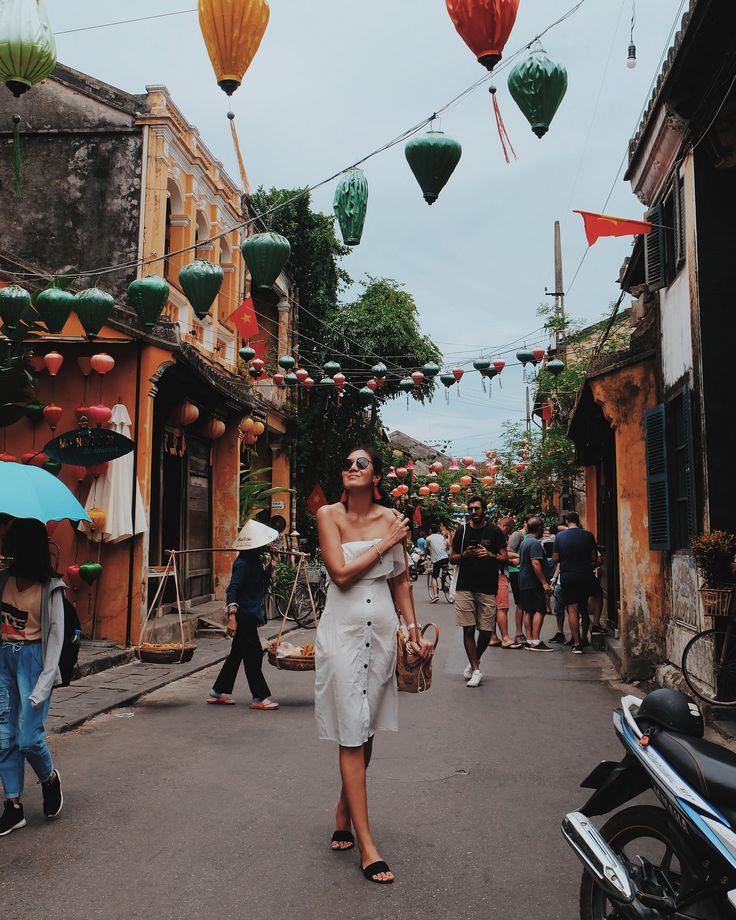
{"x":437,"y":547}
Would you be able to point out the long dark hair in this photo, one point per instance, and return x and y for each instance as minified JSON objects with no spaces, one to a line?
{"x":27,"y":542}
{"x":377,"y":464}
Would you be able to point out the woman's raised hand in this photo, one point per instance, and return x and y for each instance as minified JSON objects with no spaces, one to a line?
{"x":399,"y":530}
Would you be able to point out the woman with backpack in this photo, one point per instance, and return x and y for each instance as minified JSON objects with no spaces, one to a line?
{"x":32,"y":635}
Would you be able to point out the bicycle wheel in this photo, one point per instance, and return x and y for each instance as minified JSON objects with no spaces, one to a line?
{"x":709,"y":665}
{"x":446,"y":582}
{"x":429,"y":585}
{"x":301,"y":608}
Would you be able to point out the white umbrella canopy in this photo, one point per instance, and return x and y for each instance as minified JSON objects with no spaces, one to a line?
{"x":113,"y":493}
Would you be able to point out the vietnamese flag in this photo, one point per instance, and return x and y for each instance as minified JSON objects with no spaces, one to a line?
{"x":597,"y":225}
{"x":244,"y":319}
{"x":317,"y":499}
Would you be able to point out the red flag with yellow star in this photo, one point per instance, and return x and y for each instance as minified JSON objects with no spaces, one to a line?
{"x":598,"y":225}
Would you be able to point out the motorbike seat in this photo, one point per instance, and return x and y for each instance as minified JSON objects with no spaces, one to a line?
{"x":707,"y":767}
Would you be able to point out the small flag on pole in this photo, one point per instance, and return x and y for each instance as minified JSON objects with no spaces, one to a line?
{"x":317,"y":499}
{"x":598,"y":225}
{"x":244,"y":319}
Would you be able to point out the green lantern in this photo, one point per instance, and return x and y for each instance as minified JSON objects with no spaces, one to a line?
{"x":350,"y":205}
{"x":482,"y":365}
{"x":52,"y":466}
{"x":431,"y":370}
{"x":34,"y":411}
{"x":201,"y":282}
{"x":331,"y":368}
{"x":406,"y":385}
{"x":555,"y":367}
{"x":287,"y":362}
{"x":93,"y":307}
{"x":148,"y":297}
{"x":524,"y":357}
{"x":265,"y":254}
{"x":247,"y":353}
{"x":54,"y":307}
{"x":538,"y":86}
{"x":90,"y":572}
{"x":27,"y":47}
{"x":448,"y":380}
{"x":433,"y":158}
{"x":14,"y":301}
{"x":291,"y":380}
{"x":365,"y":395}
{"x":379,"y":371}
{"x":327,"y":383}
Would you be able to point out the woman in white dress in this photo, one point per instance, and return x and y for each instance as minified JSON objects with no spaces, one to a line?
{"x":362,"y":544}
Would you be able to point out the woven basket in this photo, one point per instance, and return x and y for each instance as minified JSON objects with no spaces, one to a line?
{"x":172,"y":653}
{"x":717,"y":602}
{"x":314,"y":574}
{"x":291,"y":664}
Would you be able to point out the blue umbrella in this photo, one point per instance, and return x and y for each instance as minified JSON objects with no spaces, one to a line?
{"x":31,"y":492}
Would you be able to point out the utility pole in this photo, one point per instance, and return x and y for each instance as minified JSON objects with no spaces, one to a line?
{"x":528,"y":412}
{"x":559,"y":284}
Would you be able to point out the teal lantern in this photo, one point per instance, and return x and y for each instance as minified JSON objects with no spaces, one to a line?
{"x":350,"y":205}
{"x":379,"y":371}
{"x":432,"y":158}
{"x":327,"y":383}
{"x":287,"y":362}
{"x":331,"y":368}
{"x":430,"y":370}
{"x":524,"y":357}
{"x":555,"y":367}
{"x":291,"y":380}
{"x":365,"y":395}
{"x":54,"y":306}
{"x":201,"y":282}
{"x":265,"y":254}
{"x":406,"y":385}
{"x":448,"y":380}
{"x":14,"y":301}
{"x":482,"y":365}
{"x":148,"y":296}
{"x":27,"y":47}
{"x":247,"y":353}
{"x":93,"y":307}
{"x":538,"y":86}
{"x":34,"y":411}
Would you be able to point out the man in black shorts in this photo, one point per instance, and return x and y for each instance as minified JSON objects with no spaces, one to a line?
{"x":534,"y":586}
{"x":577,"y":553}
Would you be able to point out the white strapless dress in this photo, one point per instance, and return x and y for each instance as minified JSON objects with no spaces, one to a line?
{"x":355,"y":680}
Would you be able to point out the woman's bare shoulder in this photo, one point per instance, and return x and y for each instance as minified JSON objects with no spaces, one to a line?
{"x":331,"y":512}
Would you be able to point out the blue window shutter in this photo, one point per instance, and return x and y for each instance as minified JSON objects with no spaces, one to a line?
{"x":658,"y":492}
{"x":655,"y":251}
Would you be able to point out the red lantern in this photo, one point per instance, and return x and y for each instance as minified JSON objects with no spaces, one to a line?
{"x":457,"y":373}
{"x":74,"y":578}
{"x":52,"y":414}
{"x":466,"y":480}
{"x":278,"y":380}
{"x":183,"y":414}
{"x":418,"y":378}
{"x":402,"y":472}
{"x":258,"y":363}
{"x":499,"y":365}
{"x":99,"y":469}
{"x":308,"y":383}
{"x":102,"y":363}
{"x":484,"y":26}
{"x":372,"y":384}
{"x":214,"y":429}
{"x":538,"y":354}
{"x":520,"y":467}
{"x":434,"y":487}
{"x":436,"y":467}
{"x":394,"y":493}
{"x":339,"y":379}
{"x":53,"y":361}
{"x":82,"y":412}
{"x":31,"y":458}
{"x":424,"y":490}
{"x":85,"y":365}
{"x":37,"y":363}
{"x":100,"y":414}
{"x":302,"y":376}
{"x":455,"y":488}
{"x":8,"y":458}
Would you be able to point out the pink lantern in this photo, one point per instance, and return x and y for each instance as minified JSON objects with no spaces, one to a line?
{"x":99,"y":469}
{"x":339,"y":380}
{"x":391,"y":474}
{"x":100,"y":414}
{"x":499,"y":365}
{"x":102,"y":363}
{"x":454,"y":466}
{"x":410,"y":465}
{"x":52,"y":414}
{"x":424,"y":490}
{"x":85,"y":365}
{"x":278,"y":379}
{"x":74,"y":578}
{"x":457,"y":373}
{"x":418,"y":378}
{"x":538,"y":354}
{"x":308,"y":383}
{"x":402,"y":472}
{"x":53,"y":361}
{"x":434,"y":487}
{"x":302,"y":375}
{"x":436,"y":467}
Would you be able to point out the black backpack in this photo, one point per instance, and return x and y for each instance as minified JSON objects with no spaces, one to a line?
{"x":70,"y":647}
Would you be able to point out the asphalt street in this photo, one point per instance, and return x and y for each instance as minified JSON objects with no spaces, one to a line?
{"x":179,"y":810}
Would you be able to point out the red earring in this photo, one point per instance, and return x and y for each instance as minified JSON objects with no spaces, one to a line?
{"x":376,"y":493}
{"x":344,"y":497}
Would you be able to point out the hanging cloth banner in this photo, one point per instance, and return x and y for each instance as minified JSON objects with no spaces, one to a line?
{"x":598,"y":225}
{"x":244,"y":319}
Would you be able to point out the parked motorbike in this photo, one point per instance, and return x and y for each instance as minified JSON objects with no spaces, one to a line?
{"x":417,"y":565}
{"x":674,"y":862}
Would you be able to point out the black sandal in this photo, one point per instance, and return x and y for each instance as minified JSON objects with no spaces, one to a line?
{"x":375,"y":869}
{"x":342,"y":837}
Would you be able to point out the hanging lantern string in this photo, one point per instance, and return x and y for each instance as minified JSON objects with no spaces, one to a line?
{"x":244,"y":181}
{"x":399,"y":139}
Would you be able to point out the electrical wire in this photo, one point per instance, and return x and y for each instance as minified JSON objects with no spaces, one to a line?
{"x":123,"y":22}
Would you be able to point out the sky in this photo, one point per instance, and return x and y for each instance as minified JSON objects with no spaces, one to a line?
{"x":336,"y":79}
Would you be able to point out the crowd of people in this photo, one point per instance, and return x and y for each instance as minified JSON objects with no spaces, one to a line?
{"x":546,"y":571}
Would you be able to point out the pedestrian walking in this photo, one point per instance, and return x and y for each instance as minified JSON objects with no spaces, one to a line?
{"x":437,"y":547}
{"x":576,"y":550}
{"x":362,"y":544}
{"x":534,"y":586}
{"x":478,"y":548}
{"x":245,"y":613}
{"x":32,"y":633}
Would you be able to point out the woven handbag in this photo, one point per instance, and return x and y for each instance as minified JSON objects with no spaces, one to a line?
{"x":412,"y":674}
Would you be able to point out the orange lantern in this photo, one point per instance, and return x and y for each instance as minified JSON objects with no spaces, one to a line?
{"x":489,"y":480}
{"x":455,"y":488}
{"x":436,"y":467}
{"x":185,"y":413}
{"x":214,"y":429}
{"x":434,"y":487}
{"x":53,"y":361}
{"x":402,"y":472}
{"x":249,"y":439}
{"x":232,"y":32}
{"x":246,"y":425}
{"x":466,"y":480}
{"x":99,"y":518}
{"x":258,"y":429}
{"x":468,"y":461}
{"x":102,"y":363}
{"x":424,"y":490}
{"x":8,"y":458}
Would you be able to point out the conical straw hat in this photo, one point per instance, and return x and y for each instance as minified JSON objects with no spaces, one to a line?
{"x":255,"y":535}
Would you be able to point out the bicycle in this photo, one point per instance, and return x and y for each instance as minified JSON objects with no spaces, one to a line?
{"x":444,"y":581}
{"x":300,"y":611}
{"x":709,"y":662}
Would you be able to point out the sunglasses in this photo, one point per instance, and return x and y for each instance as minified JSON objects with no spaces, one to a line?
{"x":362,"y":463}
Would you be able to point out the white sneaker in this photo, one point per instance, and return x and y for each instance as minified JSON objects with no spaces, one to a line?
{"x":475,"y":679}
{"x":434,"y":599}
{"x":467,"y":673}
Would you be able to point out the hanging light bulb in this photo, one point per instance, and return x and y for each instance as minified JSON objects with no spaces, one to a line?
{"x":631,"y":62}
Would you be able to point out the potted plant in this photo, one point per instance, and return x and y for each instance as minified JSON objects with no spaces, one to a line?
{"x":714,"y":557}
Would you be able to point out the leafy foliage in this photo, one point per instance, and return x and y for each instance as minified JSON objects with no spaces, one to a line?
{"x":255,"y":492}
{"x":714,"y":553}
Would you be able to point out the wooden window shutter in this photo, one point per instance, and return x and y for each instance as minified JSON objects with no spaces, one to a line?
{"x":658,"y":492}
{"x":680,"y":238}
{"x":687,"y":427}
{"x":655,"y":251}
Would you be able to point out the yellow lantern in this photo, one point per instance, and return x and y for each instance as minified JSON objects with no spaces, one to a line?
{"x":247,"y":425}
{"x":99,"y":518}
{"x":232,"y":31}
{"x":258,"y":429}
